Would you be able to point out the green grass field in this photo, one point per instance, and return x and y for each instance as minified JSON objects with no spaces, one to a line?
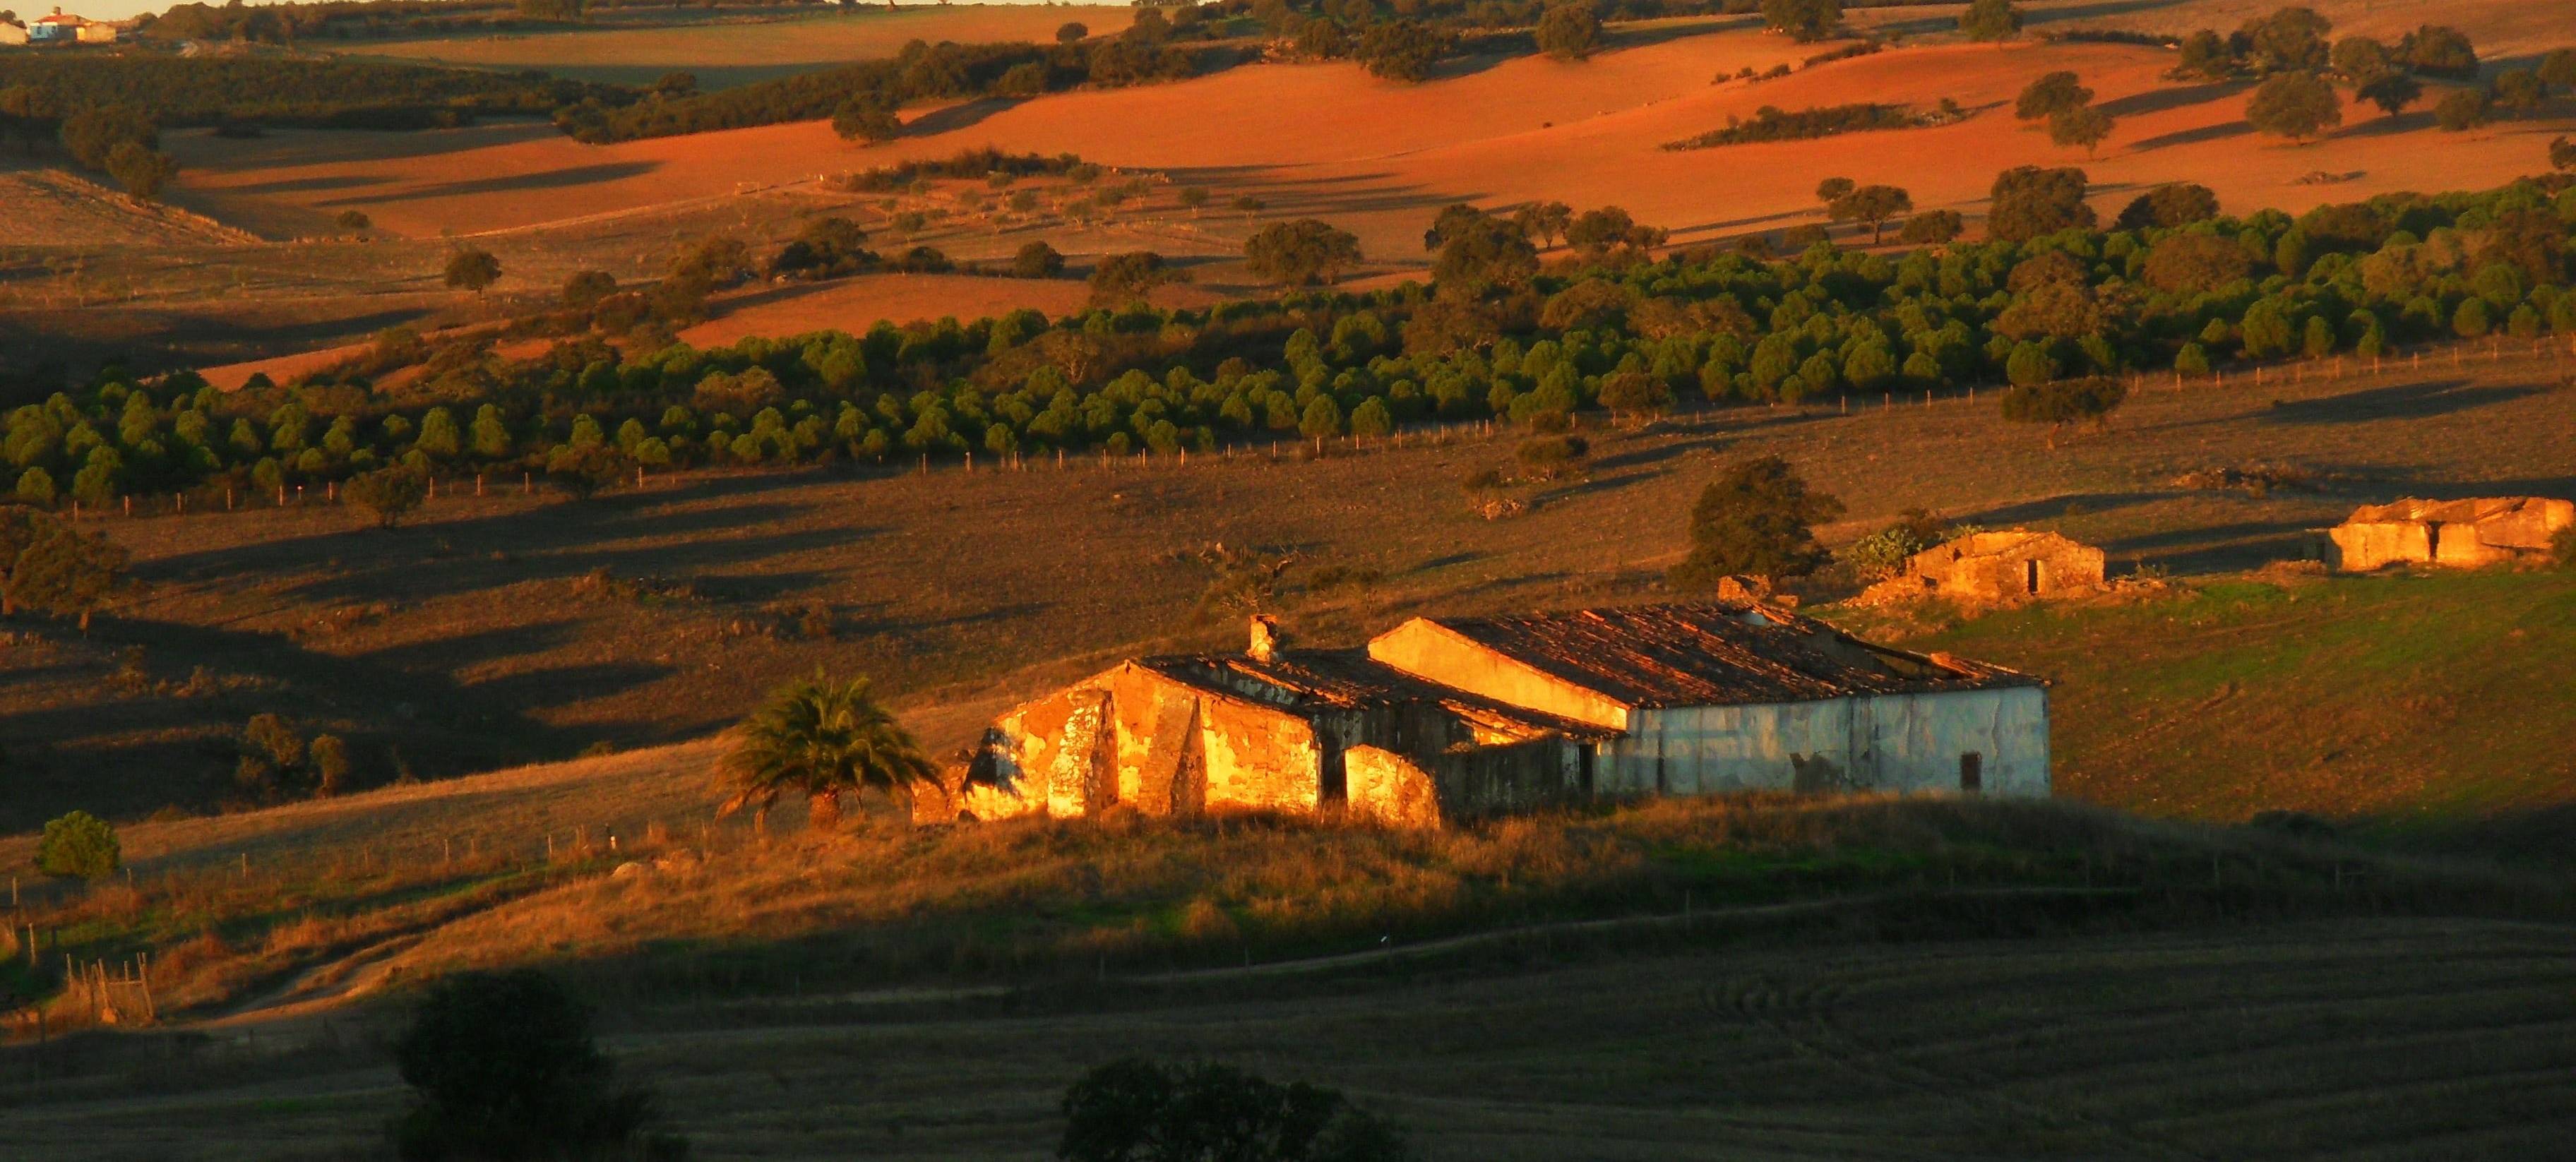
{"x":2409,"y":697}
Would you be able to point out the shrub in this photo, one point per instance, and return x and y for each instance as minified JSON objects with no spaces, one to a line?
{"x":2562,"y":548}
{"x":1932,"y":228}
{"x":390,"y":493}
{"x":78,"y":846}
{"x":2295,"y":105}
{"x":2062,"y":402}
{"x":2050,"y":95}
{"x":1884,"y":554}
{"x":1301,"y":253}
{"x":2464,"y":110}
{"x":2029,"y":201}
{"x":1803,"y":19}
{"x":1569,"y":31}
{"x":822,"y":740}
{"x":1771,"y":123}
{"x":2170,"y":205}
{"x":472,"y":269}
{"x":503,"y":1066}
{"x":1133,"y":1110}
{"x":1036,"y":259}
{"x":1552,"y":457}
{"x":1991,"y":20}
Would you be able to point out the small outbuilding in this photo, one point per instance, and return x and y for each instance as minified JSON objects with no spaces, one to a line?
{"x":1993,"y":568}
{"x":1442,"y":719}
{"x":2470,"y":534}
{"x":11,"y":34}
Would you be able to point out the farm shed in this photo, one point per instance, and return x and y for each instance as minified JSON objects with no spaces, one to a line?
{"x":1720,"y":696}
{"x":1441,"y":720}
{"x":2466,"y":533}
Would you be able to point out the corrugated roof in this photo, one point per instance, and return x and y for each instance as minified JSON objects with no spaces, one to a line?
{"x":1717,"y":653}
{"x":1351,"y":680}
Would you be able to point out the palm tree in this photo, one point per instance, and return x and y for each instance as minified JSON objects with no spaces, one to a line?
{"x":823,"y":740}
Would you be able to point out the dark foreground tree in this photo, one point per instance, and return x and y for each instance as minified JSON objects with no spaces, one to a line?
{"x":503,"y":1069}
{"x":820,"y":739}
{"x":2059,"y":403}
{"x":1134,"y":1110}
{"x":1756,"y":519}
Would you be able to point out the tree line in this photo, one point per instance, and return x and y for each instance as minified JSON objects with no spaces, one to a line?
{"x":2172,"y":284}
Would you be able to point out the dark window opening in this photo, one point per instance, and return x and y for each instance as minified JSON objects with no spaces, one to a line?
{"x":1972,"y":772}
{"x":1583,"y":773}
{"x":2433,"y":541}
{"x":2030,"y":575}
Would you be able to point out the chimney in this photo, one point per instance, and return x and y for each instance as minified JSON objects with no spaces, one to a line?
{"x":1267,"y":641}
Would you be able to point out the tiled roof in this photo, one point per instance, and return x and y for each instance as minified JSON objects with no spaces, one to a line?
{"x":1717,"y":653}
{"x":1351,"y":680}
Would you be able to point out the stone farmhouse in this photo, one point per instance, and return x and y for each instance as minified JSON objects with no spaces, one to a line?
{"x":1445,"y":719}
{"x":2465,"y":533}
{"x":1996,"y":568}
{"x":62,"y":28}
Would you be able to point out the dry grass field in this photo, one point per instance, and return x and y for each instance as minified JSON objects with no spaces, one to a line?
{"x":728,"y":48}
{"x":1323,"y":140}
{"x":2386,"y":1039}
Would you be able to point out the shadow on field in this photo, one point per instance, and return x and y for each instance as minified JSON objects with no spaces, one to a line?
{"x":960,"y":116}
{"x":306,"y":185}
{"x":546,"y":542}
{"x":2178,"y":97}
{"x":553,"y":179}
{"x":2405,"y":401}
{"x":2219,"y":132}
{"x":1659,"y":453}
{"x":2055,"y":13}
{"x":2215,"y":548}
{"x":2056,"y":507}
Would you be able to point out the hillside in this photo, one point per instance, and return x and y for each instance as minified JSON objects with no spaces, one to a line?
{"x":1822,"y":978}
{"x":506,"y":629}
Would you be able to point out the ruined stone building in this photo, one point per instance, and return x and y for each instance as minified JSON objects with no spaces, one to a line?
{"x":1446,"y":719}
{"x":1996,"y":568}
{"x":2468,"y":533}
